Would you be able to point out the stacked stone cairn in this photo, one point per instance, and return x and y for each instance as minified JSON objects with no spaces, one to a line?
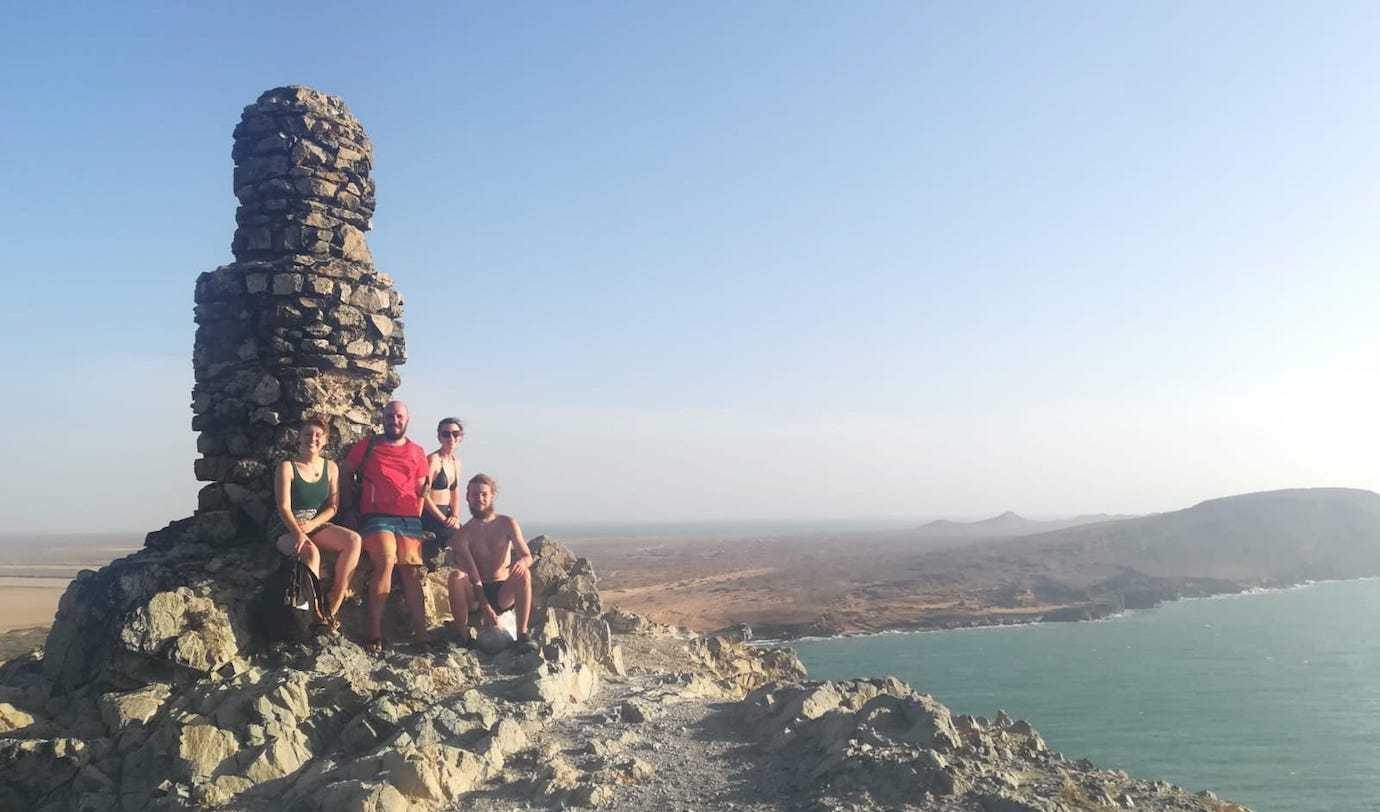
{"x":300,"y":323}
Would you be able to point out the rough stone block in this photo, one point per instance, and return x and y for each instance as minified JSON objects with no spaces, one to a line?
{"x":286,"y":283}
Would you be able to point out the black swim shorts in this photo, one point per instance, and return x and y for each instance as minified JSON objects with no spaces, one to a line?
{"x":491,"y":589}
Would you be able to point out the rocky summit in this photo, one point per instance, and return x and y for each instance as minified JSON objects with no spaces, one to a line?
{"x":153,"y":690}
{"x":153,"y":694}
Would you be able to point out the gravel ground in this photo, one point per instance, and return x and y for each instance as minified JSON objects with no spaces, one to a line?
{"x":699,"y":757}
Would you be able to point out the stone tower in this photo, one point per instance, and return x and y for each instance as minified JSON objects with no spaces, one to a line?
{"x":300,"y":323}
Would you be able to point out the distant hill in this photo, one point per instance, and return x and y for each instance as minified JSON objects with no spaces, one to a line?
{"x":1274,"y":536}
{"x":904,"y":579}
{"x":1007,"y":525}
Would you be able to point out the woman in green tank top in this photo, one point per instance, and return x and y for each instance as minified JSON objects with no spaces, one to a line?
{"x":306,"y":490}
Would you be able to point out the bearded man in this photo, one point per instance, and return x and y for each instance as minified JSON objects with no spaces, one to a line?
{"x":393,"y":475}
{"x":492,"y":563}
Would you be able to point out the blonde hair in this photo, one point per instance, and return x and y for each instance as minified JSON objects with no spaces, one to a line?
{"x":485,"y":479}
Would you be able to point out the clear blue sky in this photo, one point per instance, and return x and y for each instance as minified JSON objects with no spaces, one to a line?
{"x":712,"y":261}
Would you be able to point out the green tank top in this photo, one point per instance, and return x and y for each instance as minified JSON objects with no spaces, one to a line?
{"x":310,"y":495}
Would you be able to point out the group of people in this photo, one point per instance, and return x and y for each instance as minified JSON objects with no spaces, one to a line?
{"x":400,"y":494}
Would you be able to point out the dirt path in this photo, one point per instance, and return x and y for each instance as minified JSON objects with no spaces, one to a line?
{"x":690,"y":583}
{"x":686,"y":756}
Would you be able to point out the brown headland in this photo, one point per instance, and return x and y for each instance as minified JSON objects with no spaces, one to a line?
{"x":786,"y":586}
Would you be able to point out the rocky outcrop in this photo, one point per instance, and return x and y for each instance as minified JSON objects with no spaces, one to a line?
{"x":877,"y":744}
{"x":301,"y":322}
{"x":153,"y":694}
{"x":160,"y":615}
{"x":562,"y":581}
{"x":182,"y":611}
{"x":645,"y":717}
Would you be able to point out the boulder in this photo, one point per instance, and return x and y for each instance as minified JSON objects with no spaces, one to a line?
{"x":122,"y":710}
{"x":636,"y":711}
{"x":361,"y":796}
{"x":182,"y":628}
{"x":586,"y":638}
{"x":552,"y":552}
{"x":738,"y":668}
{"x":493,"y":639}
{"x":12,"y":718}
{"x":621,"y":621}
{"x":558,"y":685}
{"x":203,"y":749}
{"x":562,"y":581}
{"x":32,"y":769}
{"x":159,"y":615}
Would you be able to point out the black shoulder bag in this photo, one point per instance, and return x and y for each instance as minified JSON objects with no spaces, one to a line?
{"x":349,"y":515}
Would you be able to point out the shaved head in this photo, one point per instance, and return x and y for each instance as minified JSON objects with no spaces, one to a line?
{"x":395,"y":419}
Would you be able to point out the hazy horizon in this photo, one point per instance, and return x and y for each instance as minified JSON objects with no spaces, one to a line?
{"x":797,"y":260}
{"x":612,"y":527}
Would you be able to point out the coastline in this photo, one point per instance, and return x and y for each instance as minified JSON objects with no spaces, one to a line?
{"x":978,"y":623}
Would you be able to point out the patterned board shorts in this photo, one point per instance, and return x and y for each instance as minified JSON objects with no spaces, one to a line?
{"x":405,"y":530}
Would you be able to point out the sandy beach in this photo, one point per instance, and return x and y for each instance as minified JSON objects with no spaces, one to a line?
{"x":26,"y":602}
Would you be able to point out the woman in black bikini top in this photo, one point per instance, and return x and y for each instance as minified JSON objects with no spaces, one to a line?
{"x":439,"y":514}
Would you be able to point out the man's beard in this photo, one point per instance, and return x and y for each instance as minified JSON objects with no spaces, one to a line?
{"x":389,"y":434}
{"x":481,"y":513}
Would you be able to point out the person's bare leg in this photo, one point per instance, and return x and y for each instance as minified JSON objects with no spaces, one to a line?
{"x":312,"y":558}
{"x":287,"y":545}
{"x":518,"y":590}
{"x":459,"y":588}
{"x":416,"y":606}
{"x":382,"y":549}
{"x":346,"y":544}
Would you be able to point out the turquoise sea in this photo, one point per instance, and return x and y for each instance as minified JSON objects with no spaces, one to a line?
{"x":1271,"y":699}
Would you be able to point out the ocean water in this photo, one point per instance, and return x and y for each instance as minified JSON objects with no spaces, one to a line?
{"x":1270,"y":699}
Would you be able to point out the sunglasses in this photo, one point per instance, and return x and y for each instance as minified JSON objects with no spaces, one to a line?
{"x":450,"y":434}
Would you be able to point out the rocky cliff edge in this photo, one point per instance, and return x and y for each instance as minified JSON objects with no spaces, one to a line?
{"x":152,"y":693}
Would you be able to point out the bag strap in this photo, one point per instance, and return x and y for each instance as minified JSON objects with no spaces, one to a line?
{"x":318,"y":607}
{"x":368,"y":451}
{"x":350,"y":491}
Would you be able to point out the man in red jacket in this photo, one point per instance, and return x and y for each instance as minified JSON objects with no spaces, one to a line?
{"x":394,"y":473}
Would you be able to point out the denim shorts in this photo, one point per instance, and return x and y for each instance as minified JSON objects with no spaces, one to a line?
{"x":276,"y":527}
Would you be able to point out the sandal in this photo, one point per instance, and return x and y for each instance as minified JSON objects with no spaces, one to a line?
{"x":332,"y":623}
{"x":374,"y":645}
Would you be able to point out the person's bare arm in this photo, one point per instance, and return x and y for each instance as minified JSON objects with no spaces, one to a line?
{"x":460,"y":556}
{"x":453,"y":520}
{"x":429,"y":507}
{"x":523,"y":561}
{"x":282,"y":494}
{"x":422,"y":483}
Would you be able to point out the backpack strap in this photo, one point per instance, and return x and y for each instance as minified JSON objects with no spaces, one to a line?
{"x":318,"y":607}
{"x":357,"y":473}
{"x":368,"y":450}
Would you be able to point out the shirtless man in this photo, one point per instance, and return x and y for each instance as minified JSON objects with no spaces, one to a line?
{"x":488,"y":576}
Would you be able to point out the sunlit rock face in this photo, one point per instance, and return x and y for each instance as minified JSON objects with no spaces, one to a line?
{"x":301,"y":322}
